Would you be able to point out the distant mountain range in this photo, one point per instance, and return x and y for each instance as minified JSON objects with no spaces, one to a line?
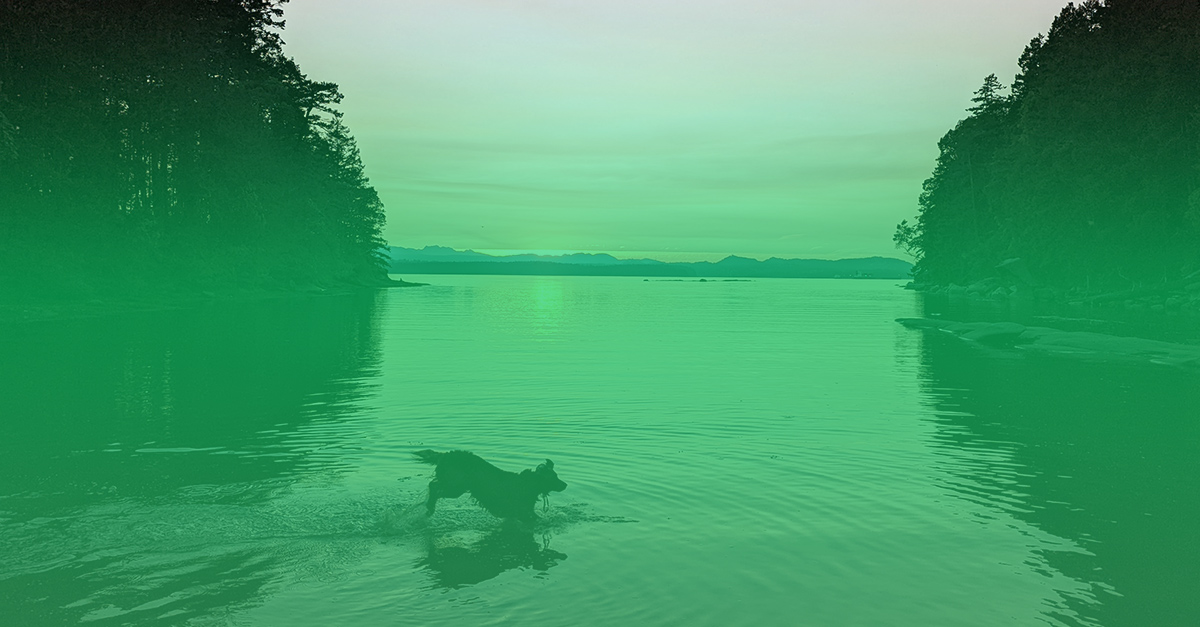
{"x":442,"y":260}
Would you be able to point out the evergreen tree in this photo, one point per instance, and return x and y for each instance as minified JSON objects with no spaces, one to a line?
{"x":1088,"y":168}
{"x":165,"y":142}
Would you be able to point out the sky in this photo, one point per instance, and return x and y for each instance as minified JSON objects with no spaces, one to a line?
{"x":672,"y":129}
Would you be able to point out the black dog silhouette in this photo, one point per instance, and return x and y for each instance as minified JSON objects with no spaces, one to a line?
{"x":507,"y":495}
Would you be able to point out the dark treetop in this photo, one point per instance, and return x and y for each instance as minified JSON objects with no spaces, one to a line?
{"x":1087,"y":168}
{"x":171,"y":142}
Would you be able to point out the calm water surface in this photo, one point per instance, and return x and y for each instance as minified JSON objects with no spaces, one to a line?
{"x":739,"y":453}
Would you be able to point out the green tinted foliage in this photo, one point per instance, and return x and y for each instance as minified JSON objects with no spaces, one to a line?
{"x":1086,"y":168}
{"x":146,"y":142}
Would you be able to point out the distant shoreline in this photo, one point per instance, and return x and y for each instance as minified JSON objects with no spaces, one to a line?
{"x":440,"y":260}
{"x":549,"y":269}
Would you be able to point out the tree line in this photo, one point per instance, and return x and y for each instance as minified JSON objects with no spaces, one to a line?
{"x":172,"y":142}
{"x":1086,"y":167}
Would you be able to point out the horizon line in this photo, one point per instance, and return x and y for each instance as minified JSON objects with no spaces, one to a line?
{"x":652,"y":255}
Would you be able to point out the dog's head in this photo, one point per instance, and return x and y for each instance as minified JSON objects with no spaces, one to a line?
{"x":546,"y":479}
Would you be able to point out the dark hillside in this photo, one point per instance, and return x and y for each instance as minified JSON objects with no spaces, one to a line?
{"x":1087,"y":168}
{"x":172,"y":145}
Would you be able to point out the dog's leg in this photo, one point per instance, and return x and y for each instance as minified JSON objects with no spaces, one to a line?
{"x":434,"y":494}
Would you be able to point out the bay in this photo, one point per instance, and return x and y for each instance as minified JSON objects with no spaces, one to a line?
{"x":737,"y":452}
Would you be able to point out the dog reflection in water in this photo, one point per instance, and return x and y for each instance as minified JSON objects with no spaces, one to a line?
{"x":505,"y":548}
{"x":506,"y":495}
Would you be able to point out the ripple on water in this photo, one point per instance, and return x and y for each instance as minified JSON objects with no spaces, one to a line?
{"x":754,"y":453}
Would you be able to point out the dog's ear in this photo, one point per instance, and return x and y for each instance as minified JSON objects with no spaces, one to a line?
{"x":549,"y":464}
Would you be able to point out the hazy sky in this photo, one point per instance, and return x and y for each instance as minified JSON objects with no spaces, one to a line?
{"x":668,"y":128}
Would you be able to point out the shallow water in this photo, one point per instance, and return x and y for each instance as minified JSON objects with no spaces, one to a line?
{"x":760,"y":452}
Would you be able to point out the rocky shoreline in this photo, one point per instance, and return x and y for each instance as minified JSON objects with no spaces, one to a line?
{"x":1183,"y":296}
{"x":1074,"y":344}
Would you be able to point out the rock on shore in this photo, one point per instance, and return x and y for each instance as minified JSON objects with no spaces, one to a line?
{"x":1068,"y":343}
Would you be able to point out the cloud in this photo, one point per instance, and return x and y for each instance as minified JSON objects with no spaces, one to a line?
{"x":714,"y":124}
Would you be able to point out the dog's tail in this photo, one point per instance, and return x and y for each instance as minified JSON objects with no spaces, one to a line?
{"x":428,"y":456}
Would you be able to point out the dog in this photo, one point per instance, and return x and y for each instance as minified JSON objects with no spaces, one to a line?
{"x":506,"y":495}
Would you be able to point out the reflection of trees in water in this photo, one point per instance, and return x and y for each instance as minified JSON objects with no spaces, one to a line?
{"x":453,"y":565}
{"x":157,"y":414}
{"x":1101,"y":454}
{"x":191,"y":587}
{"x":84,"y":397}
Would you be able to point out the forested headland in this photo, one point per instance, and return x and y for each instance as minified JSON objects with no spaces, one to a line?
{"x":1083,"y":175}
{"x":156,"y":145}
